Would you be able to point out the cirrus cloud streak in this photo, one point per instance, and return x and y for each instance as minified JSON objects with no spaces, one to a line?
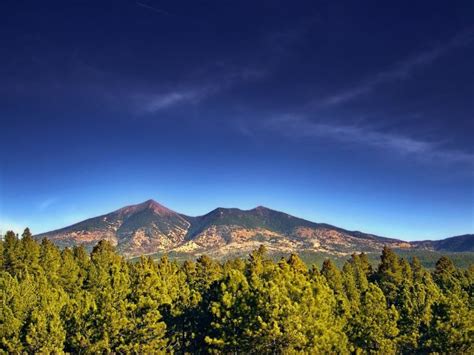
{"x":432,"y":151}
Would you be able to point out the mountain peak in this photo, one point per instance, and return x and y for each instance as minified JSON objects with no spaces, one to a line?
{"x":157,"y":207}
{"x":151,"y":203}
{"x":226,"y":210}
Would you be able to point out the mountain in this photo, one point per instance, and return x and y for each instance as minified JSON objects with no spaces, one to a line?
{"x":149,"y":228}
{"x":460,"y":243}
{"x":136,"y":229}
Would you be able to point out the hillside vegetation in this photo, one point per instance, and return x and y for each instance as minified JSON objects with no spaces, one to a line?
{"x":56,"y":301}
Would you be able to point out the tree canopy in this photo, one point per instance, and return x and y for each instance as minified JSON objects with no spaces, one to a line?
{"x":70,"y":301}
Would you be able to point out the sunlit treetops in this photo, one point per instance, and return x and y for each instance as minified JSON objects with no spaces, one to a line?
{"x":55,"y":301}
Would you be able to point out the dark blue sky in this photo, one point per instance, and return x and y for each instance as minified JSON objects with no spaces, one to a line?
{"x":359,"y":114}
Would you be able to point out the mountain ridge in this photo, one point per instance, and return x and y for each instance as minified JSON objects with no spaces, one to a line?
{"x":150,"y":227}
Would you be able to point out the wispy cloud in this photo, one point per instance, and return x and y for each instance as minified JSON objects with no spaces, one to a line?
{"x":301,"y":127}
{"x":152,"y":8}
{"x":45,"y":204}
{"x":193,"y":93}
{"x":223,"y":75}
{"x":149,"y":92}
{"x":400,"y":71}
{"x":155,"y":102}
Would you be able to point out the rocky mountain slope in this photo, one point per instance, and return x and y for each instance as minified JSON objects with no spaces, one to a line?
{"x":136,"y":229}
{"x":149,"y":228}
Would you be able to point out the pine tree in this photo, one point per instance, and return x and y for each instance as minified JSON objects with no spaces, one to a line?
{"x":206,"y":272}
{"x":333,"y":276}
{"x":361,"y":269}
{"x":12,"y":254}
{"x":44,"y":329}
{"x":30,"y":253}
{"x":445,"y":275}
{"x":335,"y":281}
{"x":374,"y":328}
{"x":351,"y":290}
{"x":452,"y":326}
{"x":365,"y":265}
{"x":414,"y":302}
{"x":79,"y":315}
{"x":177,"y":305}
{"x":147,"y":331}
{"x":389,"y":275}
{"x":50,"y":260}
{"x":69,"y":274}
{"x":229,"y":318}
{"x":16,"y":299}
{"x":108,"y":280}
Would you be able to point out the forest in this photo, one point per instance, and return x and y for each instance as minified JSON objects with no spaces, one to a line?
{"x":72,"y":301}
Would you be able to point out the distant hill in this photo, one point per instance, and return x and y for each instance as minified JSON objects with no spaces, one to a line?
{"x":149,"y":228}
{"x":460,"y":243}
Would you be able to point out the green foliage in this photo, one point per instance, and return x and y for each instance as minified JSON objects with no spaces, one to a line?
{"x":452,"y":326}
{"x":374,"y":327}
{"x":69,"y":301}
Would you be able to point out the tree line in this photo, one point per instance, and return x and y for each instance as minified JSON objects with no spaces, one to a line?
{"x":70,"y":301}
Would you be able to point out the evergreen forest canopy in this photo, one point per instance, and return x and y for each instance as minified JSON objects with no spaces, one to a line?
{"x":55,"y":301}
